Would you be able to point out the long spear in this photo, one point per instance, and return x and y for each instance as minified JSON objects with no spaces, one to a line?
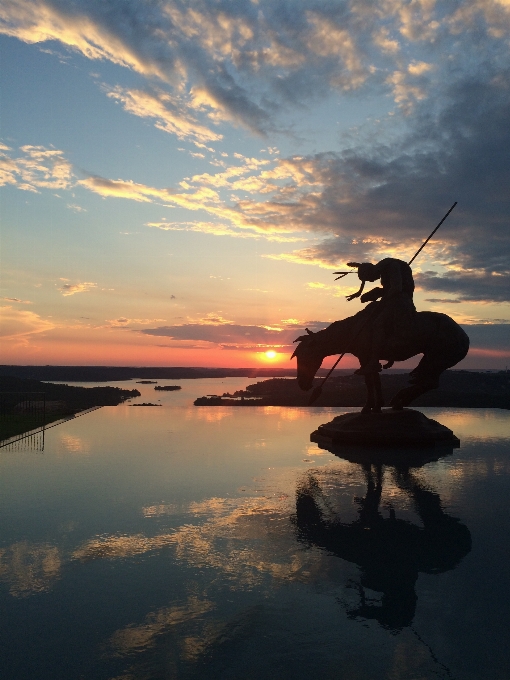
{"x":318,"y":390}
{"x":425,"y":242}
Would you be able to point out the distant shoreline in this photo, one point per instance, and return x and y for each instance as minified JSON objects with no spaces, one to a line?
{"x":461,"y":389}
{"x":121,"y":373}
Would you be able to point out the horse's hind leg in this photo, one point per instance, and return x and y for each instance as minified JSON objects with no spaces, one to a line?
{"x":424,"y":377}
{"x":378,"y":395}
{"x":370,"y":402}
{"x":405,"y":396}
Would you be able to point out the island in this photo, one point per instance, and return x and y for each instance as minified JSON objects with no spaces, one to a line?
{"x":168,"y":388}
{"x":29,"y":404}
{"x":461,"y":389}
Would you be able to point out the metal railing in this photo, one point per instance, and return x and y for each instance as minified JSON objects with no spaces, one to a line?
{"x":20,"y":414}
{"x":30,"y":441}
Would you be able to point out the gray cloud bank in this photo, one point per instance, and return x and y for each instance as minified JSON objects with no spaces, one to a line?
{"x":247,"y":61}
{"x":235,"y":335}
{"x":388,"y":198}
{"x":489,"y":336}
{"x":249,"y":338}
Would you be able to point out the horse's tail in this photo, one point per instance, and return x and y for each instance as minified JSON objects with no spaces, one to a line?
{"x":448,"y":344}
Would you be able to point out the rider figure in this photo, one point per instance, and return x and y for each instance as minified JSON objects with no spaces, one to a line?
{"x":395,"y":312}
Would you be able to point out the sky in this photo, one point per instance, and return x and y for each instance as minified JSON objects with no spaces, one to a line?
{"x":179,"y":180}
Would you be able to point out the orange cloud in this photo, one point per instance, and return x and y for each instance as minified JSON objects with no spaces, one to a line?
{"x":15,"y":322}
{"x":221,"y":230}
{"x":71,"y":288}
{"x":35,"y":22}
{"x":122,"y":322}
{"x":489,"y":353}
{"x":23,"y":302}
{"x":172,"y":113}
{"x":37,"y":168}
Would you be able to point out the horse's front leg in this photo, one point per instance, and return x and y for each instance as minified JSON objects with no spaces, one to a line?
{"x":370,"y":402}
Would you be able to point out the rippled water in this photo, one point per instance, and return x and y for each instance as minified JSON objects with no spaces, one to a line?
{"x":218,"y":542}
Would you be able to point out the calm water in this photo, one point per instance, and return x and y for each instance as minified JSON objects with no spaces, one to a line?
{"x":218,"y":542}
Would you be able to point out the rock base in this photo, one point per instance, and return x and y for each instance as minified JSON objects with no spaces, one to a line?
{"x":406,"y":428}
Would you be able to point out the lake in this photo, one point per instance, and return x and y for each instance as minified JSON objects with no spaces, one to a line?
{"x":218,"y":542}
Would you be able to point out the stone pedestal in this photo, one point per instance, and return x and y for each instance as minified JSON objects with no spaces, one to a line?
{"x":406,"y":428}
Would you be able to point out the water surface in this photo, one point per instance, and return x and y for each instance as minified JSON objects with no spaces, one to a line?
{"x":218,"y":542}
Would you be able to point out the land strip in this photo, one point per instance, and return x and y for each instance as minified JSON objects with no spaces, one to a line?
{"x":28,"y":404}
{"x":462,"y":389}
{"x":117,"y":373}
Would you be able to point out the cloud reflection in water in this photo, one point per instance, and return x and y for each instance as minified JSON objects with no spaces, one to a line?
{"x":29,"y":567}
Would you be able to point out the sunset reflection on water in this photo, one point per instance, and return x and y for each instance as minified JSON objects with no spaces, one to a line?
{"x":220,"y":543}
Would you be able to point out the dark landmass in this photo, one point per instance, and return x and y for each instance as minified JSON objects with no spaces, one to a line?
{"x":168,"y":388}
{"x":462,"y":389}
{"x":146,"y":382}
{"x":115,"y":373}
{"x":147,"y":403}
{"x":76,"y":398}
{"x":22,"y":405}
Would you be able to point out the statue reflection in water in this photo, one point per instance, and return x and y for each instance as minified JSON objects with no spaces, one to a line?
{"x":390,"y":552}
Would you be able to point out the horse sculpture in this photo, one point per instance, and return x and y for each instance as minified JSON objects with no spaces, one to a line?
{"x":437,"y":336}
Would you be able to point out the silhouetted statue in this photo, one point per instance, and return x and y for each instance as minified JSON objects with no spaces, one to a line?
{"x":389,"y":329}
{"x":389,"y":552}
{"x":394,"y":315}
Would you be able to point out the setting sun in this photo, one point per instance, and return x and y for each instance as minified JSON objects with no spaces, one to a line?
{"x":270,"y":354}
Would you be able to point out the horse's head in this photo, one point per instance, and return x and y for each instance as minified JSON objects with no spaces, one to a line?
{"x":309,"y":359}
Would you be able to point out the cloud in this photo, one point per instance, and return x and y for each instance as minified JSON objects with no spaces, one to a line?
{"x":36,"y":168}
{"x":328,"y":38}
{"x":225,"y":100}
{"x":443,"y":300}
{"x":317,"y":256}
{"x":283,"y":212}
{"x":123,"y":189}
{"x":187,"y":344}
{"x":221,"y":230}
{"x":264,"y":218}
{"x":35,"y":21}
{"x":247,"y":62}
{"x":468,"y":287}
{"x":262,"y":347}
{"x":405,"y":91}
{"x":23,"y":302}
{"x":16,"y":323}
{"x":335,"y":290}
{"x":489,"y":337}
{"x":71,"y":288}
{"x":124,"y":322}
{"x":172,"y":113}
{"x":201,"y":198}
{"x":230,"y":335}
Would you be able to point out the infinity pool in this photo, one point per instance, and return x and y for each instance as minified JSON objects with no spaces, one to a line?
{"x":218,"y":542}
